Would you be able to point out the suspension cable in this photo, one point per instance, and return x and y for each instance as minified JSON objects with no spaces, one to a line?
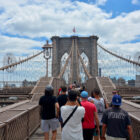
{"x":19,"y":62}
{"x":125,"y":59}
{"x":85,"y":69}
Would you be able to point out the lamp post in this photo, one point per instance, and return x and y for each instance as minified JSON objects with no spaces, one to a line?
{"x":47,"y":54}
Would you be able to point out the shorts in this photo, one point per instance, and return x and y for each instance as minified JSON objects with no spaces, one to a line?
{"x":51,"y":124}
{"x":114,"y":138}
{"x":88,"y":134}
{"x":96,"y":133}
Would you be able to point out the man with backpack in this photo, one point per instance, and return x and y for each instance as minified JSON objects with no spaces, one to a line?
{"x":100,"y":104}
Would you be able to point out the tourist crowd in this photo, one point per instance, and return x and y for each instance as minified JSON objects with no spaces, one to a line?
{"x":83,"y":117}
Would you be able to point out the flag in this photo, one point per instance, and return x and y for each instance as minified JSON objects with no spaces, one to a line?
{"x":74,"y":30}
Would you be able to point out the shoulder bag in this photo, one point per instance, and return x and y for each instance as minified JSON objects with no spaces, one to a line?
{"x":63,"y":124}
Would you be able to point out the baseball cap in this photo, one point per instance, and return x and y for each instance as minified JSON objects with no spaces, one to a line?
{"x":116,"y":100}
{"x":84,"y":94}
{"x":49,"y":88}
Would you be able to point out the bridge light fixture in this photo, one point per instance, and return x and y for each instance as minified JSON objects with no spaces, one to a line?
{"x":47,"y":54}
{"x":47,"y":50}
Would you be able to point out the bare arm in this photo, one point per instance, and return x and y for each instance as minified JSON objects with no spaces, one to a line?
{"x":129,"y":128}
{"x":106,"y":104}
{"x":97,"y":121}
{"x":40,"y":110}
{"x":57,"y":109}
{"x":103,"y":132}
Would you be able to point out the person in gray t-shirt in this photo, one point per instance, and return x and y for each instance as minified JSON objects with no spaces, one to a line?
{"x":100,"y":104}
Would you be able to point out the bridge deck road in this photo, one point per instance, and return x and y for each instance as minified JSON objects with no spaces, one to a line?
{"x":39,"y":135}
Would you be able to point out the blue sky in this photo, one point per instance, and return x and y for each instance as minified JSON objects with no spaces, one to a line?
{"x":26,"y":24}
{"x":120,"y":6}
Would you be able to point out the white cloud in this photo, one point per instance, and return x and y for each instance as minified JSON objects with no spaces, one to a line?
{"x":17,"y":46}
{"x":39,"y":18}
{"x":47,"y":18}
{"x":101,"y":2}
{"x":135,"y":2}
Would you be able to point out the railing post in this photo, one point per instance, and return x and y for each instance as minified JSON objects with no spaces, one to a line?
{"x":28,"y":129}
{"x":6,"y":131}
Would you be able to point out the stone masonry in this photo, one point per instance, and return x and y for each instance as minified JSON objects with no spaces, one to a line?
{"x":62,"y":45}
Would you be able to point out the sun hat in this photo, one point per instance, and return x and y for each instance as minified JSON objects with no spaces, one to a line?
{"x":116,"y":100}
{"x":84,"y":94}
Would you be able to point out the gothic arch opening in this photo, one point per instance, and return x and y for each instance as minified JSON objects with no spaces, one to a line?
{"x":66,"y":74}
{"x":85,"y":59}
{"x":63,"y":60}
{"x":86,"y":62}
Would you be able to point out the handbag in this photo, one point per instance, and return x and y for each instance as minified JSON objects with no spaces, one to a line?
{"x":63,"y":124}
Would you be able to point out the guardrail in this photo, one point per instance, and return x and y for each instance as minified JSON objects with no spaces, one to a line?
{"x":19,"y":121}
{"x":136,"y":127}
{"x":101,"y":89}
{"x":19,"y":124}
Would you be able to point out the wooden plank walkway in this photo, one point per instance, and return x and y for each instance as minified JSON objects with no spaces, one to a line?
{"x":39,"y":135}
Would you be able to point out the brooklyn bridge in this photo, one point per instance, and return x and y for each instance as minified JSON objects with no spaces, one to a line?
{"x":64,"y":61}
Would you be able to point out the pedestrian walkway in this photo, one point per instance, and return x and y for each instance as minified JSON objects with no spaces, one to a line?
{"x":39,"y":135}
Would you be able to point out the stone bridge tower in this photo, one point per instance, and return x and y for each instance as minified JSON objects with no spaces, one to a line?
{"x":62,"y":45}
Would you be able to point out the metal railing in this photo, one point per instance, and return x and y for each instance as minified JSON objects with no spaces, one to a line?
{"x":136,"y":127}
{"x":20,"y":124}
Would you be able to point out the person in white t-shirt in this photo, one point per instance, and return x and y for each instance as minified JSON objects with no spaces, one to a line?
{"x":73,"y":128}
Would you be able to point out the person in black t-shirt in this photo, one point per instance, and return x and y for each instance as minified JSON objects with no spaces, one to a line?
{"x":62,"y":99}
{"x":49,"y":112}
